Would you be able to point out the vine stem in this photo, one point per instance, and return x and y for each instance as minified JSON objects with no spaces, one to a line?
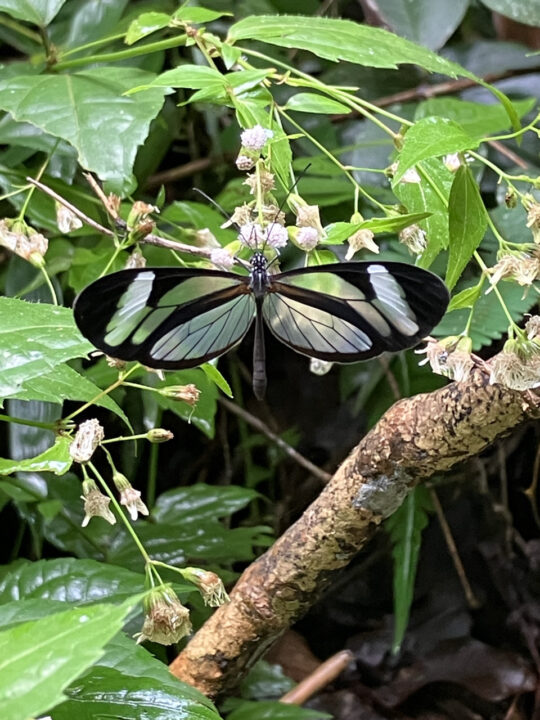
{"x":31,"y":423}
{"x":108,"y":390}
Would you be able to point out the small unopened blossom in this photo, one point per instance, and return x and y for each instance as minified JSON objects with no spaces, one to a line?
{"x":517,"y":367}
{"x":129,"y":497}
{"x":308,"y":216}
{"x":272,"y":214}
{"x":66,"y":219}
{"x":221,"y":258}
{"x":23,"y":240}
{"x":209,"y":584}
{"x":159,"y":435}
{"x":255,"y":138}
{"x":452,"y":162}
{"x":96,"y":504}
{"x":166,"y":619}
{"x":510,"y":199}
{"x":115,"y":363}
{"x":139,"y":213}
{"x":533,"y":221}
{"x":523,"y":268}
{"x":459,"y":365}
{"x":276,"y":236}
{"x":319,"y":367}
{"x":188,"y":393}
{"x":244,"y":162}
{"x":135,"y":261}
{"x":241,"y":216}
{"x":532,"y":327}
{"x":361,"y":239}
{"x":86,"y":440}
{"x":307,"y":238}
{"x":263,"y":179}
{"x":251,"y":235}
{"x":414,"y":238}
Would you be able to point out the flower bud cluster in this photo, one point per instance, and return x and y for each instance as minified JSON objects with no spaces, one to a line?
{"x":23,"y":240}
{"x":450,"y":357}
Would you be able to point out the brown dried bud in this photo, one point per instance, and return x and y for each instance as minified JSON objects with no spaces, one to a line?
{"x":188,"y":393}
{"x":167,"y":620}
{"x":96,"y":504}
{"x":87,"y":438}
{"x":159,"y":435}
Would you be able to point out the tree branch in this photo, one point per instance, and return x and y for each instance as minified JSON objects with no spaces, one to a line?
{"x":416,"y":438}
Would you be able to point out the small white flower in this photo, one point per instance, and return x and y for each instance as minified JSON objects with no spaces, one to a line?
{"x":255,"y":138}
{"x":452,"y":161}
{"x":276,"y":235}
{"x":221,"y":258}
{"x":66,"y":219}
{"x":307,"y":238}
{"x":244,"y":162}
{"x":411,"y":176}
{"x":362,"y":238}
{"x":131,"y":499}
{"x":414,"y":238}
{"x":251,"y":235}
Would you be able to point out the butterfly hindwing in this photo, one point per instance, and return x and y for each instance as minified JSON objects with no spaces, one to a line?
{"x":170,"y":318}
{"x":350,"y":312}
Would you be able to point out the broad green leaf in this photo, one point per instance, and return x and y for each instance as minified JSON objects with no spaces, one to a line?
{"x":467,"y":222}
{"x":340,"y":231}
{"x":216,"y":377}
{"x":476,"y":119}
{"x":405,"y":527}
{"x":313,"y":103}
{"x":527,"y":12}
{"x":71,"y":580}
{"x":198,"y":14}
{"x":201,"y":503}
{"x":146,"y":24}
{"x":430,"y":196}
{"x":465,"y":299}
{"x":64,"y":383}
{"x":274,"y":710}
{"x":265,"y":681}
{"x":34,"y":338}
{"x":38,"y":659}
{"x":20,"y":611}
{"x":342,"y":40}
{"x":280,"y":155}
{"x":56,"y":460}
{"x":427,"y":22}
{"x":489,"y":322}
{"x":90,"y":111}
{"x":191,"y":77}
{"x":14,"y":492}
{"x":431,"y":137}
{"x":38,"y":12}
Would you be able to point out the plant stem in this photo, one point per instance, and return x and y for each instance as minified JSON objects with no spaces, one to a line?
{"x":31,"y":423}
{"x":112,"y":387}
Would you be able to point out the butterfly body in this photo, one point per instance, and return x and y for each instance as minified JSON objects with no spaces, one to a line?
{"x":176,"y":318}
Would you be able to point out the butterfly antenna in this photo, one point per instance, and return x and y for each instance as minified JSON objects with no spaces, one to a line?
{"x":214,"y":203}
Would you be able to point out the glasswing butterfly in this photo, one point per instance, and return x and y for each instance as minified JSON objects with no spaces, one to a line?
{"x":177,"y":318}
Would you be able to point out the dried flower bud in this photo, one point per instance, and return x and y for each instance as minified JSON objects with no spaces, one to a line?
{"x":276,"y":236}
{"x":523,"y":268}
{"x":166,"y":619}
{"x":255,"y":138}
{"x":66,"y":219}
{"x":209,"y":584}
{"x":308,"y":216}
{"x":221,"y":258}
{"x":96,"y":504}
{"x":139,"y":213}
{"x":532,"y":327}
{"x":533,"y":221}
{"x":244,"y":162}
{"x":319,"y":367}
{"x":115,"y":363}
{"x":241,"y":216}
{"x":135,"y":261}
{"x":272,"y":214}
{"x":87,"y":438}
{"x":414,"y":238}
{"x":23,"y":240}
{"x":129,"y":497}
{"x":450,"y":357}
{"x":262,"y":178}
{"x":188,"y":393}
{"x":361,"y":239}
{"x":159,"y":435}
{"x":517,"y":367}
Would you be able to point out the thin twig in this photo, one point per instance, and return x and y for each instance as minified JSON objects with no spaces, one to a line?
{"x":179,"y":172}
{"x":98,"y":190}
{"x":69,"y":206}
{"x":472,"y":600}
{"x":318,"y":679}
{"x":259,"y":425}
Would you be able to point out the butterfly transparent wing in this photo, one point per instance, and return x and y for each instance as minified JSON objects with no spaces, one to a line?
{"x":350,"y":312}
{"x":169,"y":318}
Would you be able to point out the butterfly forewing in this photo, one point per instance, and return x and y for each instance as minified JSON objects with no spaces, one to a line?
{"x":168,"y":318}
{"x":350,"y":312}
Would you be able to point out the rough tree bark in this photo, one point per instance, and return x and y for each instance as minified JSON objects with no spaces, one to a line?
{"x":416,"y":438}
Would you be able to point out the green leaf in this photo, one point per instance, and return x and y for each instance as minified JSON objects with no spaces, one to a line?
{"x":313,"y":103}
{"x":34,"y":338}
{"x":476,"y":119}
{"x":38,"y":659}
{"x":465,"y":299}
{"x":405,"y":527}
{"x":489,"y":321}
{"x":467,"y":222}
{"x":432,"y":137}
{"x":429,"y":197}
{"x":340,"y":231}
{"x":64,"y":383}
{"x":38,"y":12}
{"x":527,"y":12}
{"x":70,"y":580}
{"x":146,"y":24}
{"x":198,"y":14}
{"x":191,"y":77}
{"x":216,"y":377}
{"x":201,"y":503}
{"x":56,"y":460}
{"x":274,"y":710}
{"x":428,"y":22}
{"x":90,"y":111}
{"x":360,"y":44}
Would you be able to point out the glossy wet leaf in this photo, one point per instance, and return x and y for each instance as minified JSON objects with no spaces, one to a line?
{"x":427,"y":22}
{"x":313,"y":103}
{"x":38,"y":12}
{"x":56,"y":460}
{"x":527,"y":12}
{"x":201,"y":503}
{"x":39,"y":658}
